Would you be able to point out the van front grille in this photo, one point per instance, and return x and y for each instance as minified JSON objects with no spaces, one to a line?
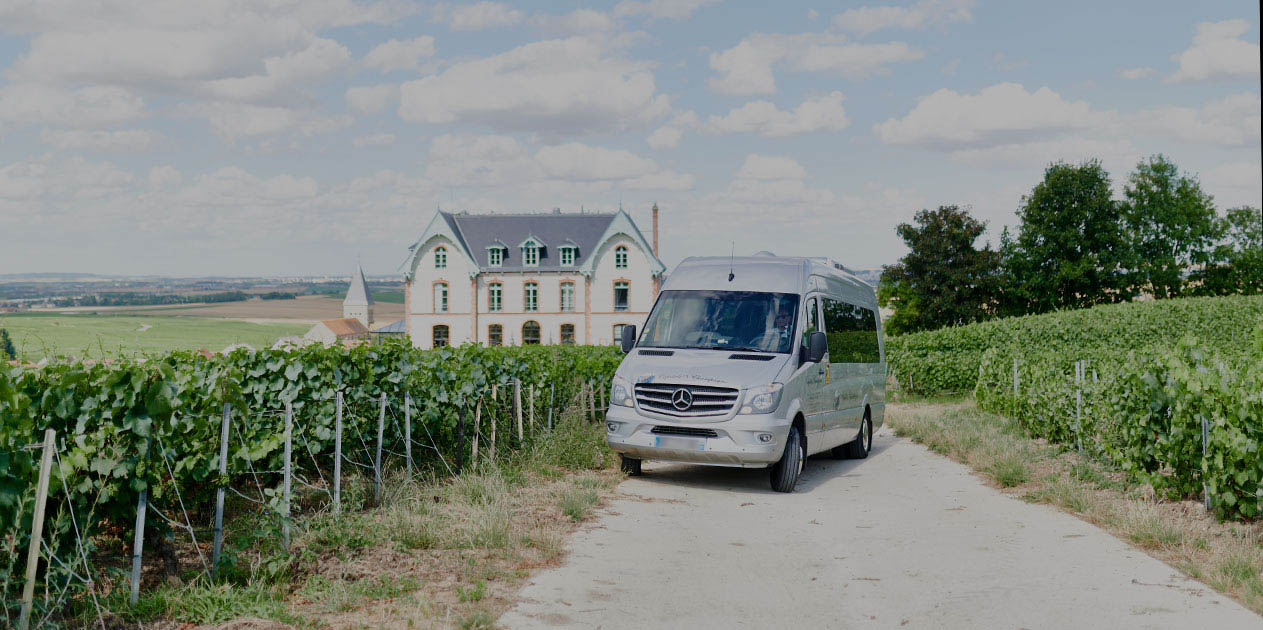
{"x":703,"y":400}
{"x":688,"y":431}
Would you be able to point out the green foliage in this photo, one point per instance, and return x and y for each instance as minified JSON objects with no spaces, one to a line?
{"x":1070,"y":250}
{"x":7,"y":350}
{"x":115,"y":422}
{"x":1171,"y":224}
{"x":1144,"y":394}
{"x":1236,"y":265}
{"x":943,"y":279}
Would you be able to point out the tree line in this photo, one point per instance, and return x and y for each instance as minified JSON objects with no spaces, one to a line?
{"x":1076,"y":246}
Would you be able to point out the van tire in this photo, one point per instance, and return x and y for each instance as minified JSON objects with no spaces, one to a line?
{"x":786,"y":471}
{"x":629,"y":465}
{"x":860,"y":447}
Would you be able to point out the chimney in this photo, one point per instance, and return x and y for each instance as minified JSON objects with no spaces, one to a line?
{"x":655,"y":228}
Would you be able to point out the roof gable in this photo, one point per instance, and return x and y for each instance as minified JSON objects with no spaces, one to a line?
{"x":357,"y":294}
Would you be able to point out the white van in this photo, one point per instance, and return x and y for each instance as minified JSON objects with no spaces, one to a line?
{"x":751,"y":362}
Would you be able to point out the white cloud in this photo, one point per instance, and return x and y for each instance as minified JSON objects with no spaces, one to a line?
{"x":1118,"y":155}
{"x":747,"y":68}
{"x":374,"y":140}
{"x":1235,"y":184}
{"x":1136,"y":73}
{"x":122,"y":140}
{"x":47,"y":189}
{"x":1230,"y":121}
{"x":764,"y":118}
{"x":770,"y":167}
{"x":371,"y":99}
{"x":481,"y":16}
{"x":1218,"y":54}
{"x":165,"y":176}
{"x":95,"y":106}
{"x":400,"y":55}
{"x":950,"y":67}
{"x":1001,"y":114}
{"x":661,"y":9}
{"x":1002,"y":62}
{"x":575,"y":161}
{"x":577,"y":22}
{"x":668,"y":136}
{"x":918,"y":16}
{"x":553,"y":88}
{"x":234,"y":122}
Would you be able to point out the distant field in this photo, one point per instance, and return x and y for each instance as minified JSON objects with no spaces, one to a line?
{"x":84,"y":335}
{"x":306,"y":309}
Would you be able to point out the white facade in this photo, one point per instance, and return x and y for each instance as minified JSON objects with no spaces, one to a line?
{"x":451,"y":261}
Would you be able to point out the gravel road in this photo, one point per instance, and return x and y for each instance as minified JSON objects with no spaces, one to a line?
{"x":904,"y":539}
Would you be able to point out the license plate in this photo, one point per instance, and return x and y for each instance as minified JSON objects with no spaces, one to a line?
{"x":680,"y":443}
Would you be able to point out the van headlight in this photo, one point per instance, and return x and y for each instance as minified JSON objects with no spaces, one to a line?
{"x":762,"y":399}
{"x":620,"y":392}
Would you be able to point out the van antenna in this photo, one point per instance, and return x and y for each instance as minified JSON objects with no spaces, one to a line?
{"x":732,"y":251}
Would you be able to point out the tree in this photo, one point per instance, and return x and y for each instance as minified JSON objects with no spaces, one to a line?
{"x":1172,"y":226}
{"x":1069,"y":251}
{"x":944,"y":279}
{"x":7,"y":351}
{"x":1236,"y":265}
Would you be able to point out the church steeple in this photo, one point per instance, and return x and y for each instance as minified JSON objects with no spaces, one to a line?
{"x":359,"y":302}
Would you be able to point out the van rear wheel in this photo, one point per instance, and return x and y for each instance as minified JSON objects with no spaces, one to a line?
{"x":786,"y":471}
{"x":629,"y":465}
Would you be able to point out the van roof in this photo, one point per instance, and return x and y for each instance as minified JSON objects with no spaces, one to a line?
{"x":786,"y":274}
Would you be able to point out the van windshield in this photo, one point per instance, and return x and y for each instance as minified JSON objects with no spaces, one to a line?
{"x":722,"y":320}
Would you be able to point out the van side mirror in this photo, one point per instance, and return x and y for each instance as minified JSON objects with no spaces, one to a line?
{"x":817,"y":345}
{"x":629,"y":338}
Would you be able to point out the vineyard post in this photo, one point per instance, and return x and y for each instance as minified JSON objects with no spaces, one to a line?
{"x":337,"y":458}
{"x":602,"y":408}
{"x":1205,"y":441}
{"x":551,"y":390}
{"x":460,"y":437}
{"x":477,"y":428}
{"x":517,"y":408}
{"x":1078,"y":404}
{"x":138,"y":542}
{"x":377,"y":461}
{"x":219,"y":492}
{"x":289,"y":451}
{"x":531,"y":404}
{"x":37,"y":529}
{"x":583,"y":397}
{"x":495,"y":396}
{"x":407,"y":431}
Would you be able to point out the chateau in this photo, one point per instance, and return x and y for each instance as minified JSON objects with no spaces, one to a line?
{"x":510,"y":279}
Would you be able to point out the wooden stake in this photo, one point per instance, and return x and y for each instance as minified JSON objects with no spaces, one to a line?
{"x":494,"y":397}
{"x":517,"y":408}
{"x":289,"y":470}
{"x":337,"y":458}
{"x":477,"y":423}
{"x":138,"y":540}
{"x":37,"y":530}
{"x":377,"y":462}
{"x":531,"y":405}
{"x":551,"y":391}
{"x":407,"y":431}
{"x":219,"y":492}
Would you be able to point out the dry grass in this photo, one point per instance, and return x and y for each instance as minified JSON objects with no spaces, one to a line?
{"x":1226,"y":556}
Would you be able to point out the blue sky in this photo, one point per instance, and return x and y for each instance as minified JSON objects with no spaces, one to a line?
{"x":288,"y":137}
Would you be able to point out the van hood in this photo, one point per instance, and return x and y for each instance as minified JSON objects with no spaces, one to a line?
{"x":701,"y":367}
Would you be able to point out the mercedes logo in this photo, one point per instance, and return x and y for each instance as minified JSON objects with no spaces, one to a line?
{"x":682,"y":399}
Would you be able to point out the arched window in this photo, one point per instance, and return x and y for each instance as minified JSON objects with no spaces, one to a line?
{"x":622,"y":291}
{"x":440,"y":336}
{"x":567,"y":334}
{"x":440,"y":258}
{"x":530,"y":297}
{"x":620,"y":257}
{"x":567,"y":297}
{"x":530,"y":333}
{"x":495,"y":297}
{"x":495,"y":335}
{"x":440,"y":297}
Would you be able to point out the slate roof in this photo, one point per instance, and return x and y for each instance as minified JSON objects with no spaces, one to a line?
{"x":357,"y":294}
{"x":478,"y":231}
{"x":393,"y":328}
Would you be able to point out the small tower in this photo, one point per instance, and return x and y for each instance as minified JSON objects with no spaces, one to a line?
{"x":358,"y":303}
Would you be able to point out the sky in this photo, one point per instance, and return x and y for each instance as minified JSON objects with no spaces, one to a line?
{"x":289,"y":137}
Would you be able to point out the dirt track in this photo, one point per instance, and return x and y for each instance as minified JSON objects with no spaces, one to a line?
{"x":904,"y":539}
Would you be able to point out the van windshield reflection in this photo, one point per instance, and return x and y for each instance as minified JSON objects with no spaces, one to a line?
{"x":750,"y":321}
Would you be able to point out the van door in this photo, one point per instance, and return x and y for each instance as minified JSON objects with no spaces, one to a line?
{"x":854,"y":353}
{"x":814,"y":375}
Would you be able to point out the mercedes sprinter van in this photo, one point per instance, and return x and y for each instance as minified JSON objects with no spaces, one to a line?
{"x":751,"y":362}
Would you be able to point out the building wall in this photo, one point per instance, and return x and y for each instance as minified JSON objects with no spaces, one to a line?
{"x":321,"y":334}
{"x":465,"y":295}
{"x":362,"y":313}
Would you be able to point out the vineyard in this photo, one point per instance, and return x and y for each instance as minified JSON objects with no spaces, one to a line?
{"x":1170,"y":391}
{"x":141,"y":436}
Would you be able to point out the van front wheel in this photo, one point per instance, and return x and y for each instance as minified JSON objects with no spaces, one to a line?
{"x":629,"y":465}
{"x":786,"y":471}
{"x":861,"y":445}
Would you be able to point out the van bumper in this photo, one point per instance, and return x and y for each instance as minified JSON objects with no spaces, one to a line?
{"x":735,"y":443}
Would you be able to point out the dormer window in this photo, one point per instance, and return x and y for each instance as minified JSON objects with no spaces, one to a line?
{"x":530,"y":253}
{"x":620,"y":257}
{"x":495,"y":256}
{"x":567,"y":255}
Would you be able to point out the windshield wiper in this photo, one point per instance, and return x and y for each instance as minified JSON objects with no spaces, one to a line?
{"x":732,"y":348}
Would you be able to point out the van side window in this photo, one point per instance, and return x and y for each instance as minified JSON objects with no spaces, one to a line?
{"x":852,"y":333}
{"x":811,"y":323}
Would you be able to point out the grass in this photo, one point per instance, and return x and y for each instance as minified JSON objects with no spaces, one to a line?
{"x":39,"y":335}
{"x":437,"y":552}
{"x":1226,"y":556}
